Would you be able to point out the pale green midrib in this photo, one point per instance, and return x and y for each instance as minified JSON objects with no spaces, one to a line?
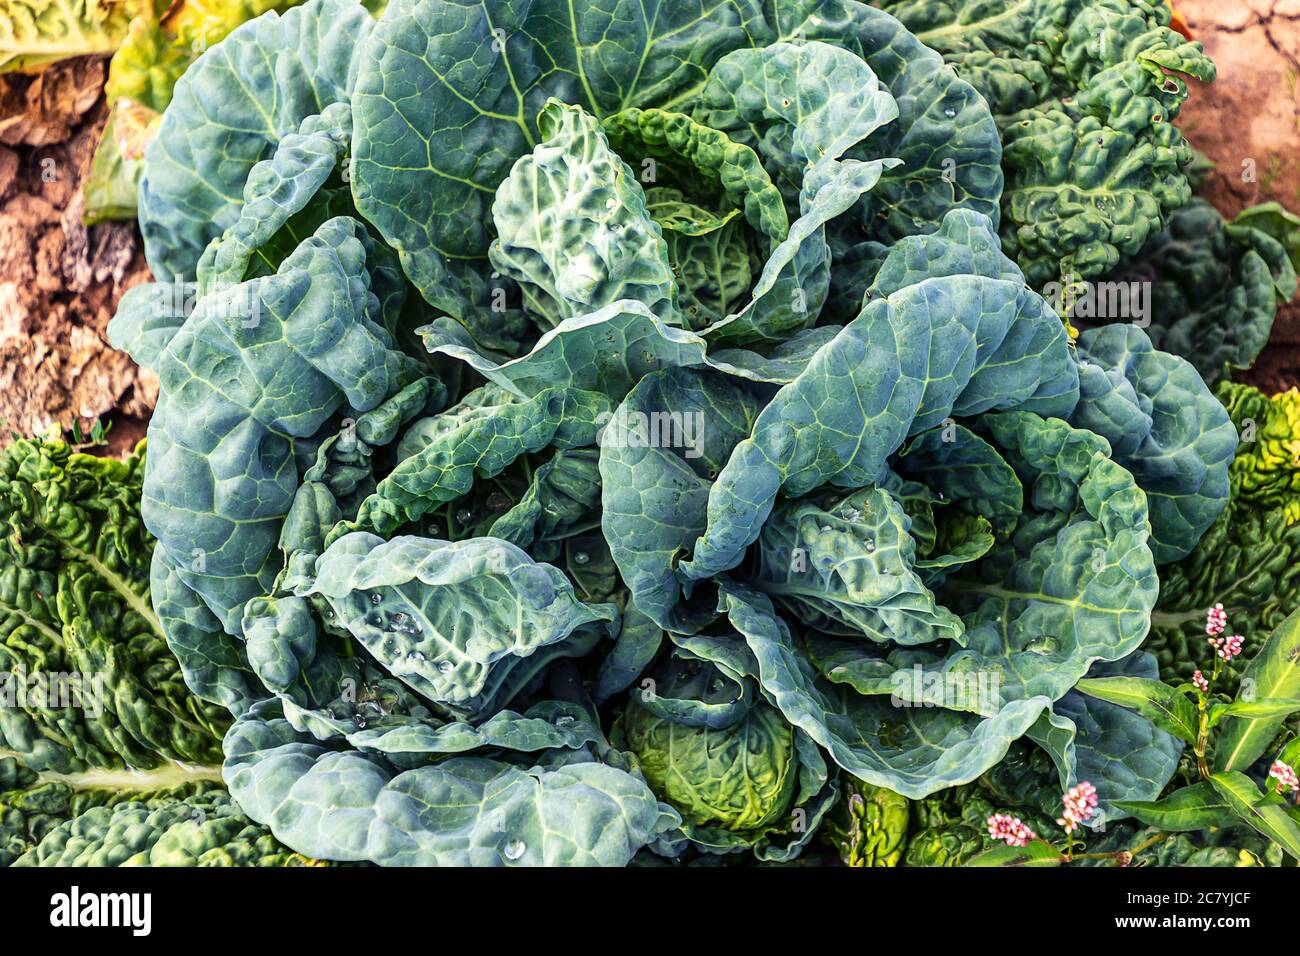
{"x":138,"y":604}
{"x":974,"y":27}
{"x":55,"y":637}
{"x":1009,"y":594}
{"x":170,"y":774}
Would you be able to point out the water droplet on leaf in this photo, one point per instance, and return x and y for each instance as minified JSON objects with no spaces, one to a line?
{"x":1043,"y":645}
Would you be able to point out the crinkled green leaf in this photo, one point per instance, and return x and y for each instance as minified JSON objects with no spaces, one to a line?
{"x":572,"y":226}
{"x":846,"y":565}
{"x":313,"y":348}
{"x":608,"y":350}
{"x":445,"y":453}
{"x":1275,"y":220}
{"x":789,"y":293}
{"x":698,"y":160}
{"x":964,"y":468}
{"x":1125,"y":755}
{"x":951,"y":345}
{"x":960,"y":169}
{"x":74,"y":601}
{"x":441,"y":615}
{"x":36,"y":32}
{"x":427,"y":167}
{"x":1164,"y":426}
{"x":801,"y":104}
{"x":277,"y":189}
{"x":738,"y":786}
{"x":912,"y":750}
{"x":1214,"y":287}
{"x":229,"y":112}
{"x":1093,"y":163}
{"x":562,"y":499}
{"x":168,"y":828}
{"x":462,"y":811}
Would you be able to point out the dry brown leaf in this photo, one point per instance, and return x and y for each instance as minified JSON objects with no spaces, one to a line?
{"x":59,"y":280}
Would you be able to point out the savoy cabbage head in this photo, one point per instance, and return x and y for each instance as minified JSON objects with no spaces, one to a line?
{"x":602,"y":426}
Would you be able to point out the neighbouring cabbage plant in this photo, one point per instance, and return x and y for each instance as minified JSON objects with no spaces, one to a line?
{"x":1084,"y":93}
{"x":595,"y":427}
{"x":34,"y":33}
{"x":1215,"y":286}
{"x":105,"y":757}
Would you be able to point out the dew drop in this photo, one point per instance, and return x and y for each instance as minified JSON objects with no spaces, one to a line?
{"x":376,"y":598}
{"x":444,"y":667}
{"x":1043,"y":645}
{"x":463,"y":515}
{"x":581,"y":557}
{"x":403,"y":623}
{"x":515,"y":849}
{"x":950,"y":112}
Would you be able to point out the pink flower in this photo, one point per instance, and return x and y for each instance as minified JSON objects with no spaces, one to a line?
{"x":1285,"y":777}
{"x":1227,"y":647}
{"x":1201,"y":683}
{"x":1080,"y":800}
{"x":1010,"y":830}
{"x":1215,"y":620}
